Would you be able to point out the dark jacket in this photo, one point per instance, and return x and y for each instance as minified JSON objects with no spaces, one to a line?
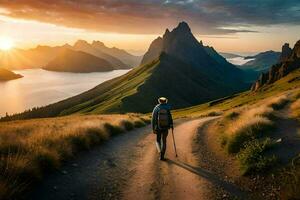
{"x":154,"y":120}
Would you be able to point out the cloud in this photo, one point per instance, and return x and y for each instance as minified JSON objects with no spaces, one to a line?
{"x":152,"y":16}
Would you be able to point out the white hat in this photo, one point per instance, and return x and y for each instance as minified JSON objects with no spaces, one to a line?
{"x":162,"y":100}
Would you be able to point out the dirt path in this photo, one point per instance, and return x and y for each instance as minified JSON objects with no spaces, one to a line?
{"x":175,"y":178}
{"x":127,"y":167}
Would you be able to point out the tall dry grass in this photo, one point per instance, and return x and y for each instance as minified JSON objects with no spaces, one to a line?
{"x":277,"y":103}
{"x":295,"y":108}
{"x":29,"y":149}
{"x":250,"y":124}
{"x":246,"y":132}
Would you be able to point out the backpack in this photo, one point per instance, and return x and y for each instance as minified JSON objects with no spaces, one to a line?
{"x":163,"y":119}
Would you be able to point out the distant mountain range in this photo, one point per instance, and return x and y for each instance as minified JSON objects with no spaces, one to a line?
{"x":6,"y":75}
{"x":176,"y":66}
{"x":78,"y":61}
{"x":262,"y":61}
{"x":40,"y":56}
{"x":288,"y":62}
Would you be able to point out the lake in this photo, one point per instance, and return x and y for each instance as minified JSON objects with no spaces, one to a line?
{"x":40,"y":87}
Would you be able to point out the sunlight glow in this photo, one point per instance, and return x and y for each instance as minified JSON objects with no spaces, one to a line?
{"x":6,"y":43}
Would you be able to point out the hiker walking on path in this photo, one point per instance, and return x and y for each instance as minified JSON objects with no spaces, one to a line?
{"x":161,"y":123}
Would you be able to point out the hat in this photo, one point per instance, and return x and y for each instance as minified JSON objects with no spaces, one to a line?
{"x":162,"y":100}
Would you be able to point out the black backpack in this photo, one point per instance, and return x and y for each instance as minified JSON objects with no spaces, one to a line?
{"x":163,"y":120}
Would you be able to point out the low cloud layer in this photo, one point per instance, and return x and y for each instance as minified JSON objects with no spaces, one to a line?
{"x":152,"y":16}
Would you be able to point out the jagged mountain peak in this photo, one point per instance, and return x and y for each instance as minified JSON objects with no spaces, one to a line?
{"x":97,"y":43}
{"x":79,"y":43}
{"x":183,"y":27}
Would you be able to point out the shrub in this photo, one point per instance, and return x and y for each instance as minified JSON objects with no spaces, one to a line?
{"x":45,"y":159}
{"x":245,"y":130}
{"x":146,"y":120}
{"x":113,"y":129}
{"x":139,"y":124}
{"x":252,"y":158}
{"x":278,"y":103}
{"x":128,"y":125}
{"x":214,"y":113}
{"x":232,"y":115}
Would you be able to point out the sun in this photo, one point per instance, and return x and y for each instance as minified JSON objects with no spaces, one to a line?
{"x":6,"y":43}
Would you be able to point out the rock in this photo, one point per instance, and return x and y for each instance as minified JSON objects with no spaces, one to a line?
{"x":285,"y":53}
{"x":289,"y":61}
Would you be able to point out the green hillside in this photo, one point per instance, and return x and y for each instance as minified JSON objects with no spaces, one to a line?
{"x":290,"y":83}
{"x":138,"y":90}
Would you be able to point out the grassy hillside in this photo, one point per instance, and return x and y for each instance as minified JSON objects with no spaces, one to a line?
{"x":30,"y":149}
{"x":138,"y":90}
{"x":288,"y":83}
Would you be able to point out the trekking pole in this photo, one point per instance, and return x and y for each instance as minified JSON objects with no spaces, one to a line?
{"x":174,"y":143}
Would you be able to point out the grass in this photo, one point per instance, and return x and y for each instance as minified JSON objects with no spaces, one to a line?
{"x":245,"y":132}
{"x":278,"y":103}
{"x":295,"y":107}
{"x":291,"y":180}
{"x":32,"y":148}
{"x":288,"y":84}
{"x":250,"y":124}
{"x":252,"y":158}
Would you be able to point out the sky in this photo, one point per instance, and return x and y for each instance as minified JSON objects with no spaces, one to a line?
{"x":227,"y":25}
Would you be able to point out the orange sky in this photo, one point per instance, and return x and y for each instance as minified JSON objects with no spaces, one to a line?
{"x":132,"y":25}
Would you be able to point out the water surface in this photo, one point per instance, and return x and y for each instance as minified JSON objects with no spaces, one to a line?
{"x":40,"y":87}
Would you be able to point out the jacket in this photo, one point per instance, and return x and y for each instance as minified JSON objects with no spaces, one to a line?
{"x":154,"y":120}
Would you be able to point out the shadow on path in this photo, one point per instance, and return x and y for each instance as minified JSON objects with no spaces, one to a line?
{"x":229,"y":187}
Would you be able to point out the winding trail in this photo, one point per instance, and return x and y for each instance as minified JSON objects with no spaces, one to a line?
{"x":127,"y":167}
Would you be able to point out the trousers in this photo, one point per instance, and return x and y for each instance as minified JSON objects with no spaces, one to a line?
{"x":161,"y":139}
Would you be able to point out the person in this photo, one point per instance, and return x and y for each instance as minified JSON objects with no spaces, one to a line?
{"x":161,"y":123}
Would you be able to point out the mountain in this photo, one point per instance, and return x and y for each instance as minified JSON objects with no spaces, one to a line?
{"x":229,"y":55}
{"x":184,"y":71}
{"x":289,"y":61}
{"x":84,"y":46}
{"x":6,"y":75}
{"x":262,"y":61}
{"x":41,"y":55}
{"x":121,"y":54}
{"x":76,"y":61}
{"x":27,"y":59}
{"x":182,"y":44}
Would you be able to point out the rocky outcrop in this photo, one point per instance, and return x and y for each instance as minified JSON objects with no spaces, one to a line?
{"x":285,"y":52}
{"x":289,"y":61}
